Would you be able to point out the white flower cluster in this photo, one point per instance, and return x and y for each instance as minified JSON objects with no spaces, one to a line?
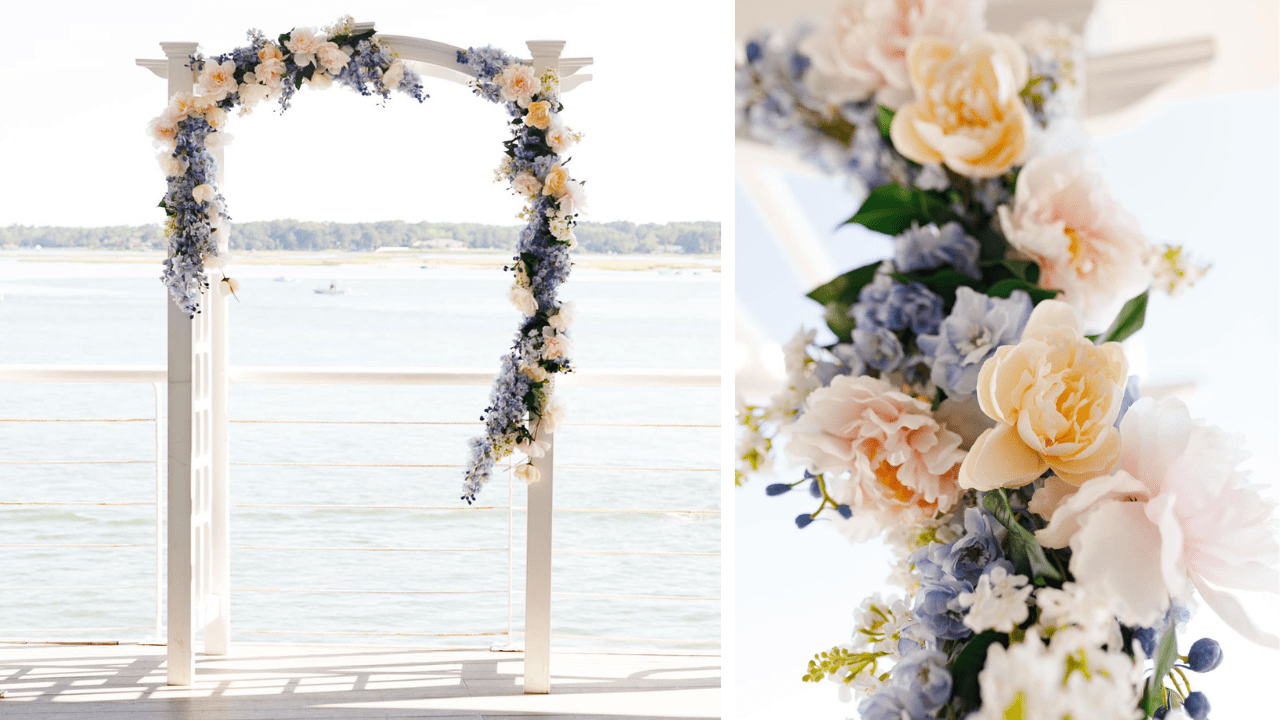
{"x":998,"y":603}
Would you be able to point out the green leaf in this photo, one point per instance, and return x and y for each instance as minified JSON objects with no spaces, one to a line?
{"x":530,"y":261}
{"x":994,"y":271}
{"x":943,"y":282}
{"x":967,"y":665}
{"x":1027,"y":555}
{"x":1005,"y":288}
{"x":937,"y":400}
{"x":845,"y":288}
{"x":1166,"y":656}
{"x":1129,"y":321}
{"x":885,"y":119}
{"x":890,"y":209}
{"x":994,"y":246}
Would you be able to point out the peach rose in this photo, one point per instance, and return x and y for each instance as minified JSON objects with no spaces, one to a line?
{"x":556,"y":182}
{"x":518,"y":83}
{"x":528,"y":473}
{"x":1055,"y":397}
{"x":1087,"y":246}
{"x":269,"y":72}
{"x":539,"y":115}
{"x":270,"y":51}
{"x":880,"y":450}
{"x":863,"y":50}
{"x":967,"y":112}
{"x":526,"y":183}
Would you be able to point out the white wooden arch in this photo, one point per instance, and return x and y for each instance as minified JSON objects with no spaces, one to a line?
{"x":198,"y":515}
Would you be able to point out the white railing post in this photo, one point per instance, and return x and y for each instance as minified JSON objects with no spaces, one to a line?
{"x":159,"y":398}
{"x":217,"y":634}
{"x":181,"y":626}
{"x":537,"y":586}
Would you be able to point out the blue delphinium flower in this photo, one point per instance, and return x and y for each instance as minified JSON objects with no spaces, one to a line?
{"x":977,"y":325}
{"x":938,"y":609}
{"x":925,"y":681}
{"x":878,"y":347}
{"x":889,"y":703}
{"x":885,"y":302}
{"x":1131,"y":395}
{"x":928,"y":247}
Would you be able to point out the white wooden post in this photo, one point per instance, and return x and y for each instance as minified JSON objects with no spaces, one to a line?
{"x":181,"y":629}
{"x":537,"y":598}
{"x":217,"y":634}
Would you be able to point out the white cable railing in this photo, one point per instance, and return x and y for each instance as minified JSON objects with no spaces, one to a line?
{"x":353,"y":376}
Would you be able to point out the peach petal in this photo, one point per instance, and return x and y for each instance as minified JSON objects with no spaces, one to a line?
{"x":1000,"y":459}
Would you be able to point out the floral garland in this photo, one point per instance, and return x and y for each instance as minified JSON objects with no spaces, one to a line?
{"x":192,"y":124}
{"x":975,"y":407}
{"x":520,"y":404}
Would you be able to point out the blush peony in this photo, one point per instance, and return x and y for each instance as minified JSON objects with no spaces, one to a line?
{"x":880,"y":450}
{"x":1087,"y":246}
{"x":862,"y":52}
{"x":1183,"y":513}
{"x":1055,"y":397}
{"x":967,"y":112}
{"x":518,"y":83}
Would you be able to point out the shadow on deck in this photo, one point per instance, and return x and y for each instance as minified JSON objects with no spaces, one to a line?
{"x":287,"y":682}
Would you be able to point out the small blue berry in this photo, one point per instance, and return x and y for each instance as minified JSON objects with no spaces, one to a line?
{"x":815,"y":490}
{"x":1160,"y":712}
{"x":1147,"y":637}
{"x":803,"y":520}
{"x":1196,"y":705}
{"x":777,"y":489}
{"x":753,"y":52}
{"x":845,"y":511}
{"x":1205,"y":655}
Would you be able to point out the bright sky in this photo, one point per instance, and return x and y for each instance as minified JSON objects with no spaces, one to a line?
{"x":73,"y":148}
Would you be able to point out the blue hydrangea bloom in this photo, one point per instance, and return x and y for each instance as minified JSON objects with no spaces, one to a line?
{"x":977,"y":325}
{"x":928,"y":247}
{"x":924,"y":677}
{"x":889,"y":703}
{"x":967,"y":558}
{"x":914,"y":306}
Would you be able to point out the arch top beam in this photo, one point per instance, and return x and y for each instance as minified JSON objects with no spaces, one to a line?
{"x":430,"y":57}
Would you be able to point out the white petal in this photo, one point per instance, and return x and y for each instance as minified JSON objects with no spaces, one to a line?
{"x":1232,"y":613}
{"x":1116,"y":553}
{"x":1067,"y":518}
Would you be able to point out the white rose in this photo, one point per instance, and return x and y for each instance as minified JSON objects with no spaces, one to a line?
{"x":172,"y":166}
{"x":218,"y":139}
{"x":216,"y":117}
{"x":217,"y":81}
{"x":392,"y":77}
{"x":552,"y":415}
{"x":563,"y":319}
{"x":526,"y":183}
{"x":1087,"y":246}
{"x":303,"y":43}
{"x":560,"y":138}
{"x":320,"y":81}
{"x":163,"y":131}
{"x":554,"y":345}
{"x":252,"y":93}
{"x":203,"y":192}
{"x":534,"y":448}
{"x":181,"y":105}
{"x":528,"y":473}
{"x":269,"y":72}
{"x":518,"y":84}
{"x":574,"y":200}
{"x":523,"y":300}
{"x":535,"y":373}
{"x":332,"y":57}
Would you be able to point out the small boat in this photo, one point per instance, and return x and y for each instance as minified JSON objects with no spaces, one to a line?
{"x":284,"y":278}
{"x":333,"y":289}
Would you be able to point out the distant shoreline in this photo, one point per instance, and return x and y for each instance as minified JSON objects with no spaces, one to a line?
{"x":487,"y":259}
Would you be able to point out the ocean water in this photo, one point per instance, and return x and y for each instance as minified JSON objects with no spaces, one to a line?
{"x":112,"y":313}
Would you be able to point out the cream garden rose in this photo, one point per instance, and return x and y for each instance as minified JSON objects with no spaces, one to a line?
{"x":523,"y":300}
{"x":967,"y":113}
{"x":394,"y":74}
{"x":303,"y":43}
{"x":526,"y":183}
{"x":556,"y":182}
{"x":880,"y":450}
{"x":863,"y":50}
{"x":539,"y":115}
{"x":559,"y":137}
{"x":332,"y":57}
{"x":218,"y":80}
{"x":1055,"y":397}
{"x":1087,"y":246}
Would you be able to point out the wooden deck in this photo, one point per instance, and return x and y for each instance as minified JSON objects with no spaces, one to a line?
{"x":287,"y":682}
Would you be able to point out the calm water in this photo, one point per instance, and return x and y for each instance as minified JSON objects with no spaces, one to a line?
{"x":113,"y":314}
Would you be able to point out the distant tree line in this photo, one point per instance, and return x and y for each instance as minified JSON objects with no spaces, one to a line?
{"x":612,"y":237}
